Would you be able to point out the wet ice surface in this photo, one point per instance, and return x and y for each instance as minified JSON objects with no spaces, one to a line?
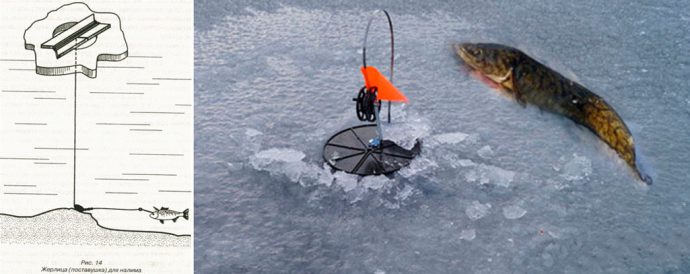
{"x":497,"y":188}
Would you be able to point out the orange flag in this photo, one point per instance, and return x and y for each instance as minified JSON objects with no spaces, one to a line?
{"x":386,"y":90}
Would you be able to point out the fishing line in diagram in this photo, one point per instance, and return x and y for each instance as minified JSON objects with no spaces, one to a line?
{"x":72,"y":40}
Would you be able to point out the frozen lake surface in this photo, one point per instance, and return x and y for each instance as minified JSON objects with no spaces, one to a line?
{"x":497,"y":188}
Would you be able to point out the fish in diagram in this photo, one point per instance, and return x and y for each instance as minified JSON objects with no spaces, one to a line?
{"x":97,"y":156}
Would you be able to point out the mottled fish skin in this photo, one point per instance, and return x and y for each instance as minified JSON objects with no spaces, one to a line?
{"x":531,"y":82}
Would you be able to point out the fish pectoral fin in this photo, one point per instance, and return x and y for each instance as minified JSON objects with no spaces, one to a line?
{"x":175,"y":220}
{"x":162,"y":222}
{"x":519,"y":97}
{"x":521,"y":100}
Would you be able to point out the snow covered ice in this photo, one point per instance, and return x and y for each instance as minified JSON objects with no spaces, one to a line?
{"x":525,"y":191}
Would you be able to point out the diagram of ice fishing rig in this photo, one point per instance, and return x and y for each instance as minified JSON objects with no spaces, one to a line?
{"x":96,"y":116}
{"x":362,"y":149}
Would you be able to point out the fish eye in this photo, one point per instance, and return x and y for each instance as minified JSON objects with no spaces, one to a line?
{"x":476,"y":51}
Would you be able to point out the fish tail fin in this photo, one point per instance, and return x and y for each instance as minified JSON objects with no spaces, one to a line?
{"x":642,"y":167}
{"x":644,"y":177}
{"x":185,"y":214}
{"x":603,"y":120}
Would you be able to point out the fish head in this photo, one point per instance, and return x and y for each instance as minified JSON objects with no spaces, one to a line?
{"x":154,"y":215}
{"x":493,"y":61}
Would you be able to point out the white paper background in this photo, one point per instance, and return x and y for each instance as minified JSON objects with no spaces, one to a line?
{"x":122,"y":166}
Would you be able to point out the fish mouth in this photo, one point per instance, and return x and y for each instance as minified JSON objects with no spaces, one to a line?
{"x":494,"y":81}
{"x":473,"y":68}
{"x":467,"y":61}
{"x":490,"y":80}
{"x":464,"y":55}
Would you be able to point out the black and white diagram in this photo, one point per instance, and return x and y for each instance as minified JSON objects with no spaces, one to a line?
{"x":96,"y":125}
{"x":63,"y":33}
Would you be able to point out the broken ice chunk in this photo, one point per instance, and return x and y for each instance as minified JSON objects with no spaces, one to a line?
{"x":466,"y":163}
{"x":468,"y":234}
{"x":513,"y":212}
{"x":250,"y":132}
{"x":477,"y":210}
{"x":577,"y":169}
{"x":485,"y":152}
{"x":451,"y":138}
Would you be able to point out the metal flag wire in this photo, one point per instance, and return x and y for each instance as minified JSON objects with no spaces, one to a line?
{"x":364,"y":48}
{"x":364,"y":63}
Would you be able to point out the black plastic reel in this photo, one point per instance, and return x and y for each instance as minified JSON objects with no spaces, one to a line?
{"x":349,"y":151}
{"x":366,"y":104}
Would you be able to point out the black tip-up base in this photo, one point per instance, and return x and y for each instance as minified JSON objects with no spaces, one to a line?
{"x":349,"y":151}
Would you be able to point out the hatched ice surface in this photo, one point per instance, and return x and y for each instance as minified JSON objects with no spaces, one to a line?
{"x":289,"y":71}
